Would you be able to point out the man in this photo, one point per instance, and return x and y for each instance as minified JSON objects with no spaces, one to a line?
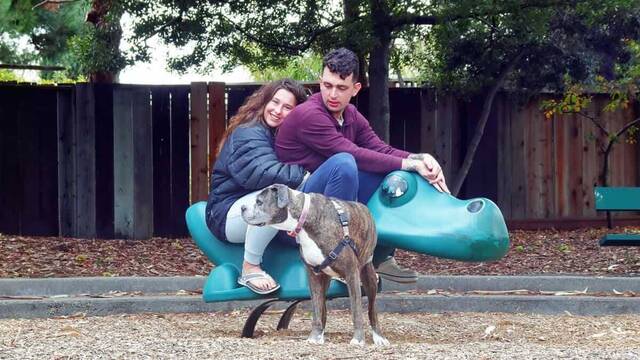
{"x":329,"y":137}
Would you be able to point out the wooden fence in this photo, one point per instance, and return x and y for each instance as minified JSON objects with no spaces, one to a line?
{"x":125,"y":161}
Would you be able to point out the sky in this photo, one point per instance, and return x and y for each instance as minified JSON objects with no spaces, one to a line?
{"x":155,"y":72}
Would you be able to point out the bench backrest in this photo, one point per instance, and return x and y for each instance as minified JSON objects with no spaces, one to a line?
{"x":617,"y":198}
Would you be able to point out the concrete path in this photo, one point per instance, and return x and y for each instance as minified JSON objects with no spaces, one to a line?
{"x":37,"y":298}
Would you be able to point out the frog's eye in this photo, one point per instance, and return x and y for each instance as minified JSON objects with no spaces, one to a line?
{"x":475,"y":206}
{"x":394,"y":186}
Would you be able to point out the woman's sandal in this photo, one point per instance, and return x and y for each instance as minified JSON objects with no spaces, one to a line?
{"x":246,"y":280}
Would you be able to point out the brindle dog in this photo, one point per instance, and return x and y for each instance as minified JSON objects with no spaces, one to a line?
{"x":281,"y":208}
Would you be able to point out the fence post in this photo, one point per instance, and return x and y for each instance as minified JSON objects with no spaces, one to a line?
{"x":199,"y":142}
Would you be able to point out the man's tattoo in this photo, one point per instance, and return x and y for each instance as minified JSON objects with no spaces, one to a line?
{"x":416,"y":156}
{"x":412,"y":166}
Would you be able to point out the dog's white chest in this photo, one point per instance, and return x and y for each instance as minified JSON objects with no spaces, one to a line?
{"x":312,"y":254}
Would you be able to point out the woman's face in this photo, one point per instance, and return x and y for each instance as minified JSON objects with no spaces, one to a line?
{"x":279,"y":107}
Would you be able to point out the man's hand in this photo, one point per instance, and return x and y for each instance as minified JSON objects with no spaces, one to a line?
{"x":428,"y":168}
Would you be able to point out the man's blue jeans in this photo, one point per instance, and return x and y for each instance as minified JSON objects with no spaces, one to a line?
{"x":339,"y":177}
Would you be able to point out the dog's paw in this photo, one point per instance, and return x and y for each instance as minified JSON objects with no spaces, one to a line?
{"x":316,"y":339}
{"x":359,"y":342}
{"x":379,"y":340}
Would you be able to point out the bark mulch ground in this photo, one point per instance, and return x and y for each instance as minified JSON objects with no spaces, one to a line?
{"x":532,"y":252}
{"x":412,"y":336}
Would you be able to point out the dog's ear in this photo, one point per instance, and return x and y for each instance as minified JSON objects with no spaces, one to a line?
{"x":282,"y":195}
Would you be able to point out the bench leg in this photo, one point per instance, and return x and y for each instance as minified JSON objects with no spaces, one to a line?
{"x":252,"y":320}
{"x":283,"y":324}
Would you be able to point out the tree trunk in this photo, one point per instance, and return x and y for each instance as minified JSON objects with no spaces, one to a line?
{"x":479,"y":131}
{"x":379,"y":70}
{"x":352,"y":13}
{"x":107,"y":22}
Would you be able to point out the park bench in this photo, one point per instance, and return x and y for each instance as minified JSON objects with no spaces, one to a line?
{"x":618,"y":199}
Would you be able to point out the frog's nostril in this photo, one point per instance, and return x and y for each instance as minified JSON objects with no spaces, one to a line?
{"x":475,"y":206}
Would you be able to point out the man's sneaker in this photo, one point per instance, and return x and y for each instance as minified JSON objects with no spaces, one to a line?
{"x":390,"y":270}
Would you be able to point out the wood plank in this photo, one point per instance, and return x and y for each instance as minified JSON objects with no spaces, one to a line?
{"x":124,"y":214}
{"x":519,"y":163}
{"x":85,"y":162}
{"x":547,"y":163}
{"x":562,"y":163}
{"x":104,"y":160}
{"x":142,"y":163}
{"x":504,"y":153}
{"x":199,"y":142}
{"x":38,"y":122}
{"x":162,"y":189}
{"x":576,"y":188}
{"x":10,"y":161}
{"x":412,"y":124}
{"x":397,"y":120}
{"x":428,"y":120}
{"x":482,"y":177}
{"x":67,"y":186}
{"x":217,"y":118}
{"x":446,"y":115}
{"x":179,"y":159}
{"x":591,"y":163}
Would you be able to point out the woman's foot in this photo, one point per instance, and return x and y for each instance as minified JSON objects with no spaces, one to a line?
{"x":256,"y":279}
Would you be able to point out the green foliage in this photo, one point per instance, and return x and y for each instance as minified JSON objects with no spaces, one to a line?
{"x":46,"y":32}
{"x":622,"y":90}
{"x":305,"y":68}
{"x":91,"y":53}
{"x":8,"y":75}
{"x":580,"y":42}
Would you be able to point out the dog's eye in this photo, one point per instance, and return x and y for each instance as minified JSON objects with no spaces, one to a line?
{"x":394,"y":186}
{"x":259,"y":202}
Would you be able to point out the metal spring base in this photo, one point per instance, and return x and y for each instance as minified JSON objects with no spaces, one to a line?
{"x":283,"y":324}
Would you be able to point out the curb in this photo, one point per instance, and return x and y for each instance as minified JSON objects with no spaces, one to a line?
{"x":97,"y":285}
{"x":395,"y":303}
{"x":64,"y":300}
{"x":151,"y":285}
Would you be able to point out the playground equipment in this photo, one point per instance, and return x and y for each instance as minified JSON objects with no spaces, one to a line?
{"x":409,"y":214}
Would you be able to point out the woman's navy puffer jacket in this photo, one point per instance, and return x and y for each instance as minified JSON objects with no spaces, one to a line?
{"x":247,"y":162}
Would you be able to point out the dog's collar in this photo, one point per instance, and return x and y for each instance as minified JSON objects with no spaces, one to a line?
{"x":306,"y":203}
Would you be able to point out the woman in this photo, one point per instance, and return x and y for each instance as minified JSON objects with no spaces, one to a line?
{"x":246,"y":164}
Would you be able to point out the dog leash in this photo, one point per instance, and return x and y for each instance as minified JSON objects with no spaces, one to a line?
{"x":346,"y":240}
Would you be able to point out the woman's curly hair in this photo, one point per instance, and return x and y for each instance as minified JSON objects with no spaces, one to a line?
{"x":253,"y":108}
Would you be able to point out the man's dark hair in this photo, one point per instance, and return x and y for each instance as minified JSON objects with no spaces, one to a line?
{"x":343,"y":62}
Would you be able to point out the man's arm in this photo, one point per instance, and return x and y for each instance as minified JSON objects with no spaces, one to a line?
{"x":424,"y":164}
{"x":367,"y":138}
{"x":320,"y":135}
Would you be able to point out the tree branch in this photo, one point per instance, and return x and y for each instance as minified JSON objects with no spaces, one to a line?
{"x":595,"y":122}
{"x":627,"y":126}
{"x":416,"y":19}
{"x":286,"y":46}
{"x":479,"y":131}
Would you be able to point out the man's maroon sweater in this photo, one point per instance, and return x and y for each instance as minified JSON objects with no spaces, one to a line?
{"x":310,"y":135}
